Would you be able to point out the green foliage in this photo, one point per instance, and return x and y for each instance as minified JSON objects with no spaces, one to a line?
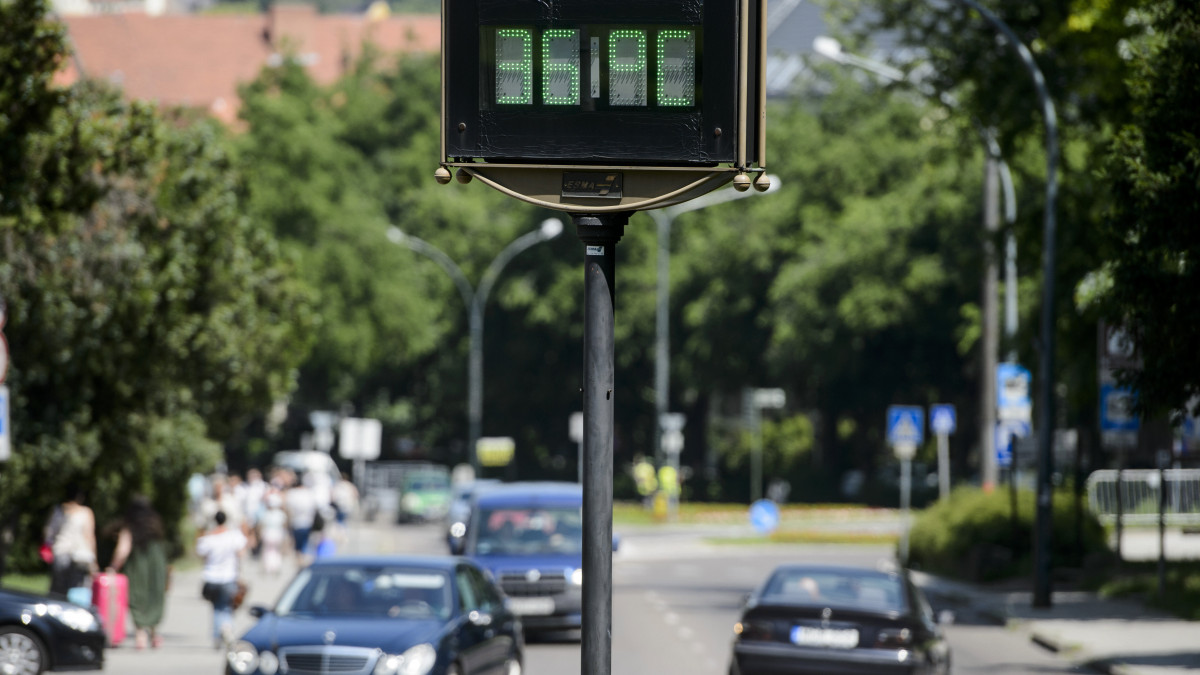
{"x":974,"y":535}
{"x":1154,"y":165}
{"x":146,"y":314}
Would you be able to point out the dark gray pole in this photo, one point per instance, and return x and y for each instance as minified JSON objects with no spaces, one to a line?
{"x":991,"y":321}
{"x":1042,"y":592}
{"x":599,"y":235}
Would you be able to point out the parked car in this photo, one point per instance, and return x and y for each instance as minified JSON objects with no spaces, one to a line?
{"x":530,"y":537}
{"x":424,"y":494}
{"x":384,"y":616}
{"x":41,"y":632}
{"x":823,"y":619}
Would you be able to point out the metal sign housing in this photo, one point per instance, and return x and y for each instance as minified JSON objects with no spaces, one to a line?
{"x":595,"y":106}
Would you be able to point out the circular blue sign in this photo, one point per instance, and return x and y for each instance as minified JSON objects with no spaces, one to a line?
{"x":764,"y":516}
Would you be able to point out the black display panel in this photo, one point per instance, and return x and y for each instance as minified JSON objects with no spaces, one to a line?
{"x":650,"y":82}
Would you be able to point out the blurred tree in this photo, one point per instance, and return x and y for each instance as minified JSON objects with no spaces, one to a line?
{"x":1154,"y":166}
{"x":146,"y":314}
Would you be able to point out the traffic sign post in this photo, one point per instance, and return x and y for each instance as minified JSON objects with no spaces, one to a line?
{"x":671,"y":425}
{"x":905,"y":431}
{"x":943,"y":421}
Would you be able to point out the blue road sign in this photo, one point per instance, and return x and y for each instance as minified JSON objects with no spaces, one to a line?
{"x":1004,"y":450}
{"x":1012,"y":392}
{"x":764,"y":516}
{"x":942,"y":419}
{"x":905,"y":424}
{"x":1116,"y":409}
{"x":5,"y":441}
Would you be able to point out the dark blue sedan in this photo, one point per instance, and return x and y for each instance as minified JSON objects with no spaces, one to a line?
{"x":384,"y":616}
{"x":40,"y":632}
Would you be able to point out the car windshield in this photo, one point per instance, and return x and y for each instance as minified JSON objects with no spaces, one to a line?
{"x":430,"y":482}
{"x":526,"y":531}
{"x":862,"y":589}
{"x":394,"y":592}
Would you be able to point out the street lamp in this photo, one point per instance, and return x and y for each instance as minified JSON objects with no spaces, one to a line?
{"x":476,"y":300}
{"x":831,"y":49}
{"x":663,"y":218}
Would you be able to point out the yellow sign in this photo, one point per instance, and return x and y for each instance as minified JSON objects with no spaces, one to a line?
{"x":496,"y":451}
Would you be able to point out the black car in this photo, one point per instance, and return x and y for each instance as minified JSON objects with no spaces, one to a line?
{"x":40,"y":632}
{"x":838,"y":620}
{"x":384,"y":616}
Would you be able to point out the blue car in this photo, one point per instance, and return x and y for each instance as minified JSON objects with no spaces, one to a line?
{"x":41,"y":632}
{"x":384,"y":616}
{"x":529,"y":536}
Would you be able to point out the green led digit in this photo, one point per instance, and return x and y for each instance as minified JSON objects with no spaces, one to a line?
{"x":560,"y":67}
{"x":514,"y":66}
{"x":627,"y":67}
{"x":676,"y":61}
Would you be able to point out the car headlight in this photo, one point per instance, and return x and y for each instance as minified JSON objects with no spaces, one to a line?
{"x":75,"y":618}
{"x":242,"y":657}
{"x":417,"y":660}
{"x":268,"y":663}
{"x":577,"y":577}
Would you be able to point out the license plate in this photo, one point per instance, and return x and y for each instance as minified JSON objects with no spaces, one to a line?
{"x":832,"y":638}
{"x":531,"y":606}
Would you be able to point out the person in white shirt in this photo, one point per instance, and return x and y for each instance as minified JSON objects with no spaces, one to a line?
{"x":221,"y":547}
{"x":300,"y":502}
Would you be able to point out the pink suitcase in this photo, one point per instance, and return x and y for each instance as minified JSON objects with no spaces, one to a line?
{"x":110,"y":595}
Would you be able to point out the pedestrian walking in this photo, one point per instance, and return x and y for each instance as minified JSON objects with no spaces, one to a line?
{"x":71,"y":534}
{"x":300,"y":502}
{"x":273,"y":533}
{"x":221,"y":548}
{"x":141,"y":554}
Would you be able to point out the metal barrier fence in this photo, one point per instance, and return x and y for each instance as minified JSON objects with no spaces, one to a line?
{"x":1140,"y":494}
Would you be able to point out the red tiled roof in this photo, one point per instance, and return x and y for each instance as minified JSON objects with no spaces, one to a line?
{"x":198,"y":61}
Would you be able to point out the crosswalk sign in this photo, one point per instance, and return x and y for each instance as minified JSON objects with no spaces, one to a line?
{"x":905,"y":425}
{"x":942,"y":419}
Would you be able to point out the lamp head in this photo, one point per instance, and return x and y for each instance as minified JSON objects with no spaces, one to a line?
{"x":828,"y":47}
{"x":551,"y":228}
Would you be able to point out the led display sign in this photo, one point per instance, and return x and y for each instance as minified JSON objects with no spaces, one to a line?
{"x":669,"y":84}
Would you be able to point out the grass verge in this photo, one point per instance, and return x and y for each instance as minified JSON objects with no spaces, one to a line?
{"x":30,"y":583}
{"x":1181,"y":592}
{"x":707,"y":513}
{"x":808,"y":537}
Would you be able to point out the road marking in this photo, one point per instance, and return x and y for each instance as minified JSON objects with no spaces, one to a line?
{"x":671,"y":618}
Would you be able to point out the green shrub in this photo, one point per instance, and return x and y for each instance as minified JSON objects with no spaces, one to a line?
{"x":973,"y":535}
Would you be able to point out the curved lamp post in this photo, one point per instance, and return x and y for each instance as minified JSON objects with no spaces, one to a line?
{"x":663,"y":218}
{"x":476,"y":300}
{"x":1041,"y":551}
{"x":832,"y":49}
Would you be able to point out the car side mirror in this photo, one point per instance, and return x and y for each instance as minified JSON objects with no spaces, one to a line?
{"x":258,"y":611}
{"x":478,"y":618}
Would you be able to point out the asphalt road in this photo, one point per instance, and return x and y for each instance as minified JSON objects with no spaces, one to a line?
{"x":675,"y":599}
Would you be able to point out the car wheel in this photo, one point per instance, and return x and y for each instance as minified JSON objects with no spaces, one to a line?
{"x":453,"y":669}
{"x":21,"y":652}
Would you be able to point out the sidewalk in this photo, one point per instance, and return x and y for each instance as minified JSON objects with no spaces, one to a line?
{"x":187,"y":626}
{"x":1120,"y":637}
